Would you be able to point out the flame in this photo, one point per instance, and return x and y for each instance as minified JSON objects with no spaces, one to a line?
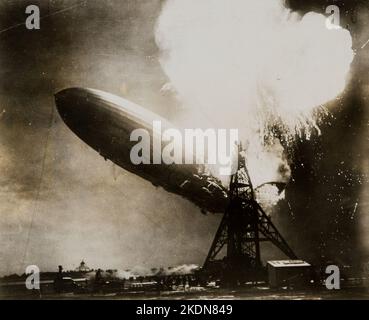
{"x":256,"y":66}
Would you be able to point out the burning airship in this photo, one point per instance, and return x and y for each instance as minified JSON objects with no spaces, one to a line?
{"x":105,"y":122}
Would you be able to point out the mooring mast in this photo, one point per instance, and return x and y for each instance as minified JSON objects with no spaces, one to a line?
{"x":243,"y":227}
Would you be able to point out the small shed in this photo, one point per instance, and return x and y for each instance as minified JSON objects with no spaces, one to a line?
{"x":283,"y":273}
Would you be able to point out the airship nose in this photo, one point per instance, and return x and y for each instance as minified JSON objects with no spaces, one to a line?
{"x":72,"y":107}
{"x":60,"y":101}
{"x":68,"y":103}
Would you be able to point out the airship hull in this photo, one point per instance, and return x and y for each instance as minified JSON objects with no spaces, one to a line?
{"x":105,"y":122}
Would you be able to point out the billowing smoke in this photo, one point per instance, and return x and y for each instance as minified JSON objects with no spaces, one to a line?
{"x":256,"y":66}
{"x":145,"y":272}
{"x":269,"y":195}
{"x":267,"y":163}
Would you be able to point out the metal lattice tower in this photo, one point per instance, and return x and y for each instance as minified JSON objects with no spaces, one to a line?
{"x":243,"y":227}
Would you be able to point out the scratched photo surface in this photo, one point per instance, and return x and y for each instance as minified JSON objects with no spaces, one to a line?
{"x":61,"y":202}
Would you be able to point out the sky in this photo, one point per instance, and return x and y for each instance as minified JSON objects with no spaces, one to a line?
{"x":60,"y":202}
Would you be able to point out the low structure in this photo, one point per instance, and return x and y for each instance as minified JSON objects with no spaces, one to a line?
{"x":288,"y":273}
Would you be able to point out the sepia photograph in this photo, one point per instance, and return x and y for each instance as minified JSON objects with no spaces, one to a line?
{"x":186,"y":150}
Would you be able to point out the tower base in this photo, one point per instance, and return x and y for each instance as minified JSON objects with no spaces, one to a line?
{"x":243,"y":227}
